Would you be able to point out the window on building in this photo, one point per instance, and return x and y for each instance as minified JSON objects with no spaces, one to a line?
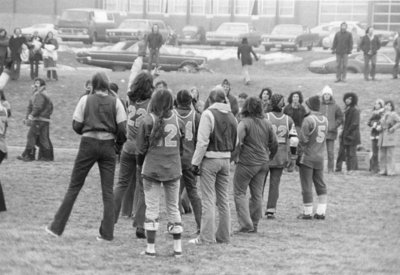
{"x":136,"y":6}
{"x":267,"y":7}
{"x":154,"y":6}
{"x":110,"y":5}
{"x":286,"y":8}
{"x":343,"y":10}
{"x":242,"y":7}
{"x":197,"y":6}
{"x":386,"y":15}
{"x":221,"y":7}
{"x":177,"y":6}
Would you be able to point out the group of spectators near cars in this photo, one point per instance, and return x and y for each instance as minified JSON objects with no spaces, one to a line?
{"x":369,"y":45}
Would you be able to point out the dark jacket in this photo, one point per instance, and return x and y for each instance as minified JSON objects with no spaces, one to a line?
{"x":35,"y":53}
{"x":244,"y":53}
{"x":334,"y":115}
{"x":15,"y":45}
{"x":40,"y":106}
{"x":3,"y":44}
{"x":396,"y":44}
{"x":342,"y":43}
{"x":297,"y":114}
{"x":351,"y":126}
{"x":232,"y":101}
{"x":368,"y":46}
{"x":154,"y":40}
{"x":374,"y":121}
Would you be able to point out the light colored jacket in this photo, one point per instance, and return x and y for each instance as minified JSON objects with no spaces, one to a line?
{"x":390,"y":121}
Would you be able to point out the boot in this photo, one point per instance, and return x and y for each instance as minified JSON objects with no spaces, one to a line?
{"x":48,"y":75}
{"x":55,"y":76}
{"x":28,"y":155}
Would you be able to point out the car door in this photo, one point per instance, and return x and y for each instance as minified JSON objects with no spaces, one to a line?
{"x":384,"y":65}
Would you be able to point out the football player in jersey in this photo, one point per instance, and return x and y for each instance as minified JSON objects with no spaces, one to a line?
{"x":159,"y":142}
{"x":286,"y":134}
{"x":130,"y":184}
{"x":312,"y":139}
{"x":191,"y":121}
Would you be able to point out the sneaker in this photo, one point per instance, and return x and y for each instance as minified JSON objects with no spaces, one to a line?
{"x":140,"y":233}
{"x":101,"y":239}
{"x":337,"y":80}
{"x":194,"y":241}
{"x":242,"y":230}
{"x":148,"y":254}
{"x":178,"y":254}
{"x":48,"y":231}
{"x":319,"y":217}
{"x":270,"y":215}
{"x":304,"y":217}
{"x":25,"y":158}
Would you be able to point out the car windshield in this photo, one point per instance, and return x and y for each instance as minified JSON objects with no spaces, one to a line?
{"x":232,"y":28}
{"x":128,"y":24}
{"x":75,"y":15}
{"x":190,"y":29}
{"x":287,"y":29}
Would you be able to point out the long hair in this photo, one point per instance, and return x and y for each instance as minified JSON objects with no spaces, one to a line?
{"x":162,"y":103}
{"x":141,"y":88}
{"x":252,"y":107}
{"x":300,"y":94}
{"x":100,"y":82}
{"x":269,"y":91}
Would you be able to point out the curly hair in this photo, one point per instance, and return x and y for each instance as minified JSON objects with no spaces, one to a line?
{"x":391,"y":104}
{"x":100,"y":82}
{"x":141,"y":87}
{"x":162,"y":103}
{"x":300,"y":94}
{"x":252,"y":107}
{"x":269,"y":90}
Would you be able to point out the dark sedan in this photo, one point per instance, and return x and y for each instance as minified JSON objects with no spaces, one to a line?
{"x":384,"y":64}
{"x":120,"y":57}
{"x":192,"y":35}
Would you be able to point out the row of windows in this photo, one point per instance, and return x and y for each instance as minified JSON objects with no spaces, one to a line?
{"x":285,"y":8}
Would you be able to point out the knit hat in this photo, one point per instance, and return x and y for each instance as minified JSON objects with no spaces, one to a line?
{"x":313,"y":103}
{"x":327,"y":90}
{"x":184,"y":98}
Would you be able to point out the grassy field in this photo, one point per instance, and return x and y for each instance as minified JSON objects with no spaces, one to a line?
{"x":360,"y":235}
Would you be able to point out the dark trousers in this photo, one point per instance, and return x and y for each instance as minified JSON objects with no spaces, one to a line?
{"x":330,"y":144}
{"x":15,"y":69}
{"x":308,"y":176}
{"x":369,"y":59}
{"x":34,"y":62}
{"x":341,"y":66}
{"x":39,"y":134}
{"x":374,"y":161}
{"x":188,"y":181}
{"x":90,"y":151}
{"x":396,"y":64}
{"x":2,"y":63}
{"x":275,"y":175}
{"x":2,"y":200}
{"x":52,"y":73}
{"x":347,"y":153}
{"x":153,"y":57}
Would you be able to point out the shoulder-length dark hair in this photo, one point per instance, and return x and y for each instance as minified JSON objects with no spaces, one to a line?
{"x":269,"y":91}
{"x":252,"y":107}
{"x":162,"y":103}
{"x":141,"y":88}
{"x":100,"y":82}
{"x":290,"y":98}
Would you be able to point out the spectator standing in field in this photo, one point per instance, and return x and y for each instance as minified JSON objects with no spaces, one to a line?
{"x":3,"y":48}
{"x":16,"y":42}
{"x":312,"y":139}
{"x":295,"y":109}
{"x":216,"y":139}
{"x":35,"y":54}
{"x":40,"y":108}
{"x":374,"y":122}
{"x":5,"y":112}
{"x":350,"y":136}
{"x":396,"y":46}
{"x":342,"y":47}
{"x":50,"y":56}
{"x":154,"y":42}
{"x":130,"y":182}
{"x":265,"y":97}
{"x":241,"y":100}
{"x":197,"y":103}
{"x":158,"y":146}
{"x":191,"y":121}
{"x":257,"y":146}
{"x":102,"y":129}
{"x":389,"y":123}
{"x":286,"y":135}
{"x":370,"y":45}
{"x":244,"y":53}
{"x":334,"y":114}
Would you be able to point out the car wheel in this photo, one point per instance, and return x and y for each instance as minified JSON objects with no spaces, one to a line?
{"x":310,"y":47}
{"x":267,"y":49}
{"x":188,"y":68}
{"x":118,"y":68}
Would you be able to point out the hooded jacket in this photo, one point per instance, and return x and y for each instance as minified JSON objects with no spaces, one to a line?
{"x":351,"y":127}
{"x":334,"y":115}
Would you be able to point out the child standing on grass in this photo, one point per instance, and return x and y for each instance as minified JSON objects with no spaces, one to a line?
{"x":389,"y":123}
{"x":374,"y":122}
{"x":5,"y":112}
{"x":158,"y":147}
{"x":312,"y":139}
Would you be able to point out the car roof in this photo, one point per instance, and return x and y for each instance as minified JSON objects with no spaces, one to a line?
{"x":84,"y":9}
{"x":236,"y":23}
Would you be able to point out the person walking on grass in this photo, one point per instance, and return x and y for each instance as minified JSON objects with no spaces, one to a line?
{"x":216,"y":139}
{"x":40,"y":109}
{"x":5,"y":113}
{"x":130,"y":182}
{"x":342,"y":47}
{"x":350,"y":136}
{"x":312,"y":138}
{"x":396,"y":46}
{"x":101,"y":120}
{"x":244,"y":53}
{"x":373,"y":123}
{"x":287,"y":140}
{"x":370,"y":44}
{"x":159,"y":143}
{"x":389,"y":123}
{"x":257,"y":146}
{"x":191,"y":121}
{"x":334,"y":114}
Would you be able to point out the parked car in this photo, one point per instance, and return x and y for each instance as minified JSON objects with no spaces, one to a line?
{"x":232,"y":34}
{"x":130,"y":28}
{"x":290,"y":36}
{"x":86,"y":25}
{"x":120,"y":56}
{"x":384,"y":64}
{"x":192,"y":35}
{"x":323,"y":30}
{"x":43,"y":29}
